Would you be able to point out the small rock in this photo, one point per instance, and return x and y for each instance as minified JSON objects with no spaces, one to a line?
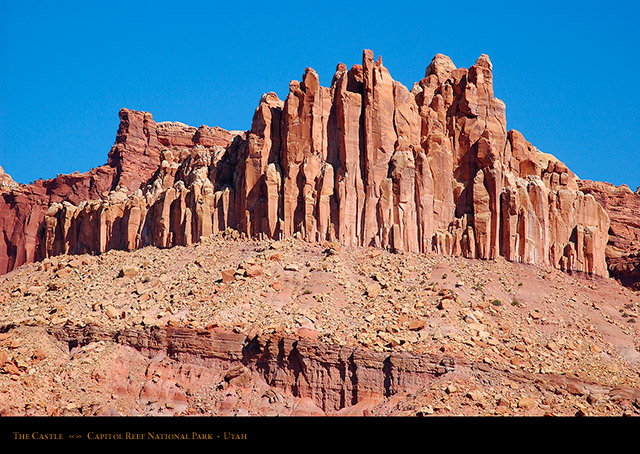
{"x":411,"y":337}
{"x":425,"y":411}
{"x":417,"y":325}
{"x":75,"y":263}
{"x":141,"y":289}
{"x":150,"y":320}
{"x":228,"y":275}
{"x":373,"y":290}
{"x":450,"y":389}
{"x":36,"y":290}
{"x":253,"y":270}
{"x":63,"y":272}
{"x":291,"y":267}
{"x":112,"y":312}
{"x":56,"y":320}
{"x":128,"y":271}
{"x":526,"y":403}
{"x":11,"y":369}
{"x":334,"y":248}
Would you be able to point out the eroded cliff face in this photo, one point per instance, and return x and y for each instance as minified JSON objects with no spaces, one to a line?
{"x":364,"y":162}
{"x":623,"y":249}
{"x":333,"y":377}
{"x":23,"y":208}
{"x":132,"y":162}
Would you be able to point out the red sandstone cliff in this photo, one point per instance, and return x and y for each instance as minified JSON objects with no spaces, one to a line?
{"x":366,"y":162}
{"x":623,"y":249}
{"x":133,"y":160}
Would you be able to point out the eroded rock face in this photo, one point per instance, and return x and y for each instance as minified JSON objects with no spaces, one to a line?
{"x":332,"y":377}
{"x":132,"y":162}
{"x":366,"y":162}
{"x":23,"y":208}
{"x":623,"y":248}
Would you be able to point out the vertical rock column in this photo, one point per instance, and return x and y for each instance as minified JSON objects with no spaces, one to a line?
{"x":349,"y":175}
{"x":379,"y":141}
{"x":259,"y":181}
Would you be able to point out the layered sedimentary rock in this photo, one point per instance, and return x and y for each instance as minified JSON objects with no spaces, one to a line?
{"x":23,"y":208}
{"x":132,"y":162}
{"x":332,"y":376}
{"x":623,"y":250}
{"x":365,"y":162}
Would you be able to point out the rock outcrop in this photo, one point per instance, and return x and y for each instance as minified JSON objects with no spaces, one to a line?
{"x":133,"y":160}
{"x":623,"y":249}
{"x":364,"y":162}
{"x":333,"y":377}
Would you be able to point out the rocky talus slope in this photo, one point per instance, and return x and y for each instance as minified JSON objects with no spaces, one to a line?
{"x":242,"y":327}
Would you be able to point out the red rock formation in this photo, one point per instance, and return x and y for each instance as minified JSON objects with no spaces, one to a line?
{"x":333,"y":377}
{"x":23,"y":208}
{"x":133,"y":160}
{"x":623,"y":249}
{"x":366,"y":162}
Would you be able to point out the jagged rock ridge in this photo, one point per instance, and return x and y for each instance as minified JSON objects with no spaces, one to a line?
{"x":365,"y":162}
{"x":133,"y":160}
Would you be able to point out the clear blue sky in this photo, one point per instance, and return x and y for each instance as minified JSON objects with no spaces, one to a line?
{"x":567,"y":71}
